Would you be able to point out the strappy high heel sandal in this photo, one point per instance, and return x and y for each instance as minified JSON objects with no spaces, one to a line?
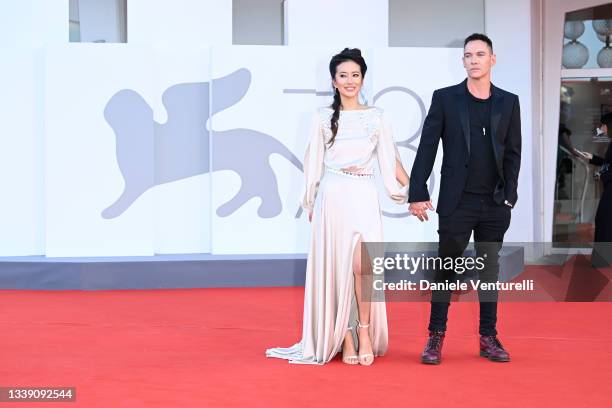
{"x":353,"y":359}
{"x":365,"y":359}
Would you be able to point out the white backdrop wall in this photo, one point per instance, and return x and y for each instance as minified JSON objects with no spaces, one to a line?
{"x":279,"y":104}
{"x":25,"y":26}
{"x":28,"y":24}
{"x":266,"y":113}
{"x":182,"y":207}
{"x":126,"y":168}
{"x":258,"y":96}
{"x":125,"y":153}
{"x":513,"y":72}
{"x":82,"y":176}
{"x":403,"y":89}
{"x":179,"y":22}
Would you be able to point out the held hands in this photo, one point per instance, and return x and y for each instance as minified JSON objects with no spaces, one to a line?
{"x":584,"y":155}
{"x":419,"y":209}
{"x":309,"y":216}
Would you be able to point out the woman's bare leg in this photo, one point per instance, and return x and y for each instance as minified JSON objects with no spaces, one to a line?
{"x":363,"y":290}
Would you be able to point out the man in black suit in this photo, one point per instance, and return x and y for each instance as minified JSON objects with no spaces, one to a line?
{"x":480,"y":128}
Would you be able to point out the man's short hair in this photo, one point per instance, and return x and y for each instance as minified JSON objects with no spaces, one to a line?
{"x":479,"y":37}
{"x":606,"y":119}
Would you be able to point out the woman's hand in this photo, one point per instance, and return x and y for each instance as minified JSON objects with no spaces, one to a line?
{"x":352,"y":170}
{"x":309,"y":216}
{"x":584,"y":155}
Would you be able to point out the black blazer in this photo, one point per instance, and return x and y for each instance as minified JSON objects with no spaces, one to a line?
{"x":448,"y":119}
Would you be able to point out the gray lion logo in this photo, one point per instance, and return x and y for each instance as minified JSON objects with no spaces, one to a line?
{"x":151,"y":153}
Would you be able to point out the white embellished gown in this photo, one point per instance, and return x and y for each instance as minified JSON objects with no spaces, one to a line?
{"x":345,"y":210}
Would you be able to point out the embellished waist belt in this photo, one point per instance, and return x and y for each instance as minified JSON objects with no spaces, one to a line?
{"x":350,"y":174}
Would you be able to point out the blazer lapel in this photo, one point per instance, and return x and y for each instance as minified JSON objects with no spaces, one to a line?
{"x":497,"y":105}
{"x":464,"y":115}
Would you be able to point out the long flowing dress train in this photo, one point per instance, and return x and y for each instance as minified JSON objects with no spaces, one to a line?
{"x":346,"y":211}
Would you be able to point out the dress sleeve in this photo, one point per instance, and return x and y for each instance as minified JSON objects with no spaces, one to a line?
{"x":388,"y":155}
{"x":313,"y":162}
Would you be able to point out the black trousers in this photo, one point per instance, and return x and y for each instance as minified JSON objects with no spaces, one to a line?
{"x":603,"y":217}
{"x":489,"y":221}
{"x":602,"y":248}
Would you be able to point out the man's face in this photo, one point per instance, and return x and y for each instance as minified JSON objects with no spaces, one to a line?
{"x":477,"y":59}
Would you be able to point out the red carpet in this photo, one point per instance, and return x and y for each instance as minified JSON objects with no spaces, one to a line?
{"x":205,"y":348}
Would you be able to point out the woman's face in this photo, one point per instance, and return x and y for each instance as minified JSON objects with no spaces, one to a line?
{"x":348,"y":79}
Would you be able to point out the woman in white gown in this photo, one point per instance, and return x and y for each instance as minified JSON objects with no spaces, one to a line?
{"x":342,"y":203}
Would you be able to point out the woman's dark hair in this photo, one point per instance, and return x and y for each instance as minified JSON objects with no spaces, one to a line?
{"x":347,"y":54}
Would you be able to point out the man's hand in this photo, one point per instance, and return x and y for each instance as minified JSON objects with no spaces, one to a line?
{"x":419,"y":209}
